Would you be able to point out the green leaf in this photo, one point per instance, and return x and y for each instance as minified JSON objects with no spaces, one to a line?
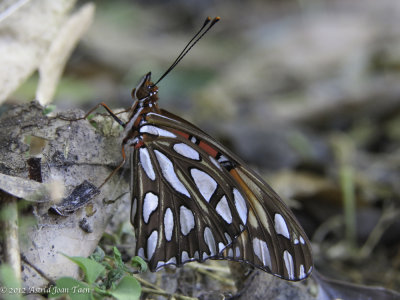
{"x":98,"y":254}
{"x":113,"y":276}
{"x":91,"y":268}
{"x":75,"y":289}
{"x":48,"y":109}
{"x":127,"y":289}
{"x":118,"y":257}
{"x":139,"y":263}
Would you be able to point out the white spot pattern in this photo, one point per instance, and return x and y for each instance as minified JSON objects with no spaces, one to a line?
{"x":204,"y":182}
{"x":240,"y":205}
{"x":230,"y":252}
{"x":287,"y":257}
{"x":261,"y":251}
{"x":228,"y":237}
{"x":222,"y":158}
{"x":156,"y":131}
{"x":215,"y":162}
{"x":160,"y":264}
{"x":237,"y":251}
{"x":185,"y":256}
{"x":167,"y":169}
{"x":186,"y":151}
{"x":302,"y":240}
{"x":221,"y":247}
{"x":152,"y":244}
{"x":150,"y":204}
{"x":281,"y":227}
{"x":223,"y":210}
{"x":210,"y":241}
{"x":168,"y":224}
{"x":146,"y":163}
{"x":302,"y":273}
{"x":295,"y":241}
{"x":186,"y":220}
{"x":141,"y":253}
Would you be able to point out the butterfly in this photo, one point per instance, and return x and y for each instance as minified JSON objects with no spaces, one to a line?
{"x":193,"y":199}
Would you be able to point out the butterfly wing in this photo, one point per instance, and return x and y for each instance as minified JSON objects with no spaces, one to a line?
{"x":183,"y":209}
{"x":193,"y":199}
{"x":273,"y":241}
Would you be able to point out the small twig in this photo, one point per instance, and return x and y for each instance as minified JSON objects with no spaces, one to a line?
{"x":158,"y":291}
{"x":389,"y":215}
{"x":40,"y":272}
{"x":166,"y":294}
{"x":203,"y":271}
{"x":343,"y":152}
{"x":196,"y":265}
{"x":145,"y":282}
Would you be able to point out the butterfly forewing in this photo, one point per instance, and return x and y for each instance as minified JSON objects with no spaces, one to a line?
{"x":193,"y":199}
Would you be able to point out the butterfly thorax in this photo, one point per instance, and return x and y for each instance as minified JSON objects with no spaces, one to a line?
{"x":145,"y":97}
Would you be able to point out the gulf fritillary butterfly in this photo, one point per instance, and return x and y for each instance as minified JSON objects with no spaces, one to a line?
{"x":193,"y":199}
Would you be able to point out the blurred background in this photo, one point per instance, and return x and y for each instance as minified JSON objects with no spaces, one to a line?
{"x":307,"y":92}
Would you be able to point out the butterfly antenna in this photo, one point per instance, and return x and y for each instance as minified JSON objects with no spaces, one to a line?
{"x":190,"y":44}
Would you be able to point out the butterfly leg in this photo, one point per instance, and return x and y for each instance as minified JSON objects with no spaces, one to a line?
{"x":110,"y":112}
{"x":114,"y":116}
{"x":118,"y":167}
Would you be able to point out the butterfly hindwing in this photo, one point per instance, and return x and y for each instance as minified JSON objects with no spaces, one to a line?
{"x":183,"y":209}
{"x":183,"y":180}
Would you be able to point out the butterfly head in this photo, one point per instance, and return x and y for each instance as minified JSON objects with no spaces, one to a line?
{"x":146,"y":91}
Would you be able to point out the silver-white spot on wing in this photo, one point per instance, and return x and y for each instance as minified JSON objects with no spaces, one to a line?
{"x":210,"y":241}
{"x":281,"y":227}
{"x":221,"y":247}
{"x":237,"y":251}
{"x":186,"y":151}
{"x":222,"y":159}
{"x":167,"y":169}
{"x":302,"y":273}
{"x":223,"y":210}
{"x":204,"y":182}
{"x":228,"y":237}
{"x":230,"y":252}
{"x":302,"y":240}
{"x":150,"y":204}
{"x":172,"y":260}
{"x":261,"y":251}
{"x":146,"y":163}
{"x":185,"y":256}
{"x":295,"y":241}
{"x":196,"y":255}
{"x":141,"y":253}
{"x":287,"y":257}
{"x":168,"y":224}
{"x":214,"y":161}
{"x":186,"y":220}
{"x":156,"y":131}
{"x":241,"y":206}
{"x":152,"y":244}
